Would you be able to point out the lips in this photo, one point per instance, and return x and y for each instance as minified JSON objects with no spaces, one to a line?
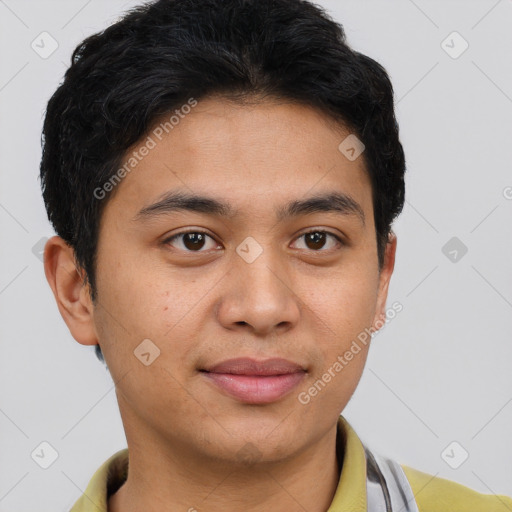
{"x":255,"y":382}
{"x":248,"y":366}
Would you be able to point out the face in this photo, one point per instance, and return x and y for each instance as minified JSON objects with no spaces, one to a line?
{"x":278,"y":262}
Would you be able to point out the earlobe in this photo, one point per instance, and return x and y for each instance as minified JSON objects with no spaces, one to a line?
{"x":69,"y":290}
{"x":384,"y":279}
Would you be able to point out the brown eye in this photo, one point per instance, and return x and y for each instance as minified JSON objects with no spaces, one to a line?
{"x":190,"y":241}
{"x":317,"y":240}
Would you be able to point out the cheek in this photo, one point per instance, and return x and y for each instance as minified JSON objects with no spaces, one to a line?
{"x":138,"y":303}
{"x":136,"y":292}
{"x":144,"y":299}
{"x":342,"y":312}
{"x":345,"y":302}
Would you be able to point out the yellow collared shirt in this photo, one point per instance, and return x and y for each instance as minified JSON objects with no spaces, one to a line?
{"x":433,"y":494}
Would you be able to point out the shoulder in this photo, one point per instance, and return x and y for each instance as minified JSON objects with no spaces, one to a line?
{"x":434,"y":494}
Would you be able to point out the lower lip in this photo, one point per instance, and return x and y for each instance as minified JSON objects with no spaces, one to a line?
{"x":254,"y":389}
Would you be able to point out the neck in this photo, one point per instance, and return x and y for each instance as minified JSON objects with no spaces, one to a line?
{"x":163,"y":478}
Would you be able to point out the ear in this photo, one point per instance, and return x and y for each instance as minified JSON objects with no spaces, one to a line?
{"x":384,"y":277}
{"x":72,"y":295}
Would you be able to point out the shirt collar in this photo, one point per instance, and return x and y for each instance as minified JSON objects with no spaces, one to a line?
{"x":350,"y":495}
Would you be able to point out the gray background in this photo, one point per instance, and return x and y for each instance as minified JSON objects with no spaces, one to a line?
{"x":439,"y":372}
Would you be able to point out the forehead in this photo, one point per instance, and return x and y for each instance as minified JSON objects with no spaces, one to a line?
{"x":258,"y":155}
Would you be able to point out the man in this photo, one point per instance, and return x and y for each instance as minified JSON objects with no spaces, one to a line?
{"x":223,"y":177}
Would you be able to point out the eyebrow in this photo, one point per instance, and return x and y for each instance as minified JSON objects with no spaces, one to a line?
{"x":335,"y":202}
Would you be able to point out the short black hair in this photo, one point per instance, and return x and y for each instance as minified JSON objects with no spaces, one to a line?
{"x":161,"y":54}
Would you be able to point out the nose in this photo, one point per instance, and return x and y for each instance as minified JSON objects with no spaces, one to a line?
{"x":258,"y":297}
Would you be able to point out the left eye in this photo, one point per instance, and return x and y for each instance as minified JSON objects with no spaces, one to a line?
{"x":194,"y":241}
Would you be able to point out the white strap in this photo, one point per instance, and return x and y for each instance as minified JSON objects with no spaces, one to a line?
{"x":387,"y":487}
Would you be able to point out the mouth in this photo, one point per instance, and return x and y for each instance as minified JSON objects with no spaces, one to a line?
{"x":255,"y":382}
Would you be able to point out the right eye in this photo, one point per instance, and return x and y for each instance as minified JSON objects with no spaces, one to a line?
{"x":190,"y":241}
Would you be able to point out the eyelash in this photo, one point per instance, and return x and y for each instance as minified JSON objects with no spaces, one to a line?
{"x":195,"y":231}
